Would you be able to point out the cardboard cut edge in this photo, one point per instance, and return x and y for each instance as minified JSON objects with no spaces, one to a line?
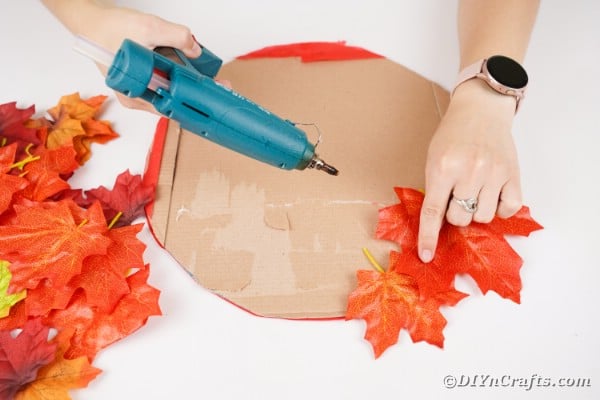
{"x":160,"y":172}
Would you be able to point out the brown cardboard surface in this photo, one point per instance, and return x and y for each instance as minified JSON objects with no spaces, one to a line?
{"x":288,"y":243}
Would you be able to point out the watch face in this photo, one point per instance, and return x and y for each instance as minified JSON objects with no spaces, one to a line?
{"x":507,"y":71}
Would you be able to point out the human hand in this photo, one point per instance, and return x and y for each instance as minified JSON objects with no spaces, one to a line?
{"x":109,"y":26}
{"x":471,"y":155}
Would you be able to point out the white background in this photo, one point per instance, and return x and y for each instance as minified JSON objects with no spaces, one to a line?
{"x":206,"y":348}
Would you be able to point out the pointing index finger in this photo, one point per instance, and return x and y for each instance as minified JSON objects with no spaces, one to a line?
{"x":432,"y":215}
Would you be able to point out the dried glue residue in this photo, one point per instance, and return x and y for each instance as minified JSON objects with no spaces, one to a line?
{"x":326,"y":239}
{"x":239,"y":240}
{"x":212,"y":195}
{"x":276,"y":218}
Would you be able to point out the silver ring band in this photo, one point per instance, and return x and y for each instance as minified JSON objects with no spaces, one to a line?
{"x":469,"y":205}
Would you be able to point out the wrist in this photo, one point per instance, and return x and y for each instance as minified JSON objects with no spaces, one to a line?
{"x":479,"y":96}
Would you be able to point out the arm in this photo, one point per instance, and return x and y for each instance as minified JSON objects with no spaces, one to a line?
{"x":107,"y":25}
{"x":472,"y":153}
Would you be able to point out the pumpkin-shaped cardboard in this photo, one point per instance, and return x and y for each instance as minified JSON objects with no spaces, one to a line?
{"x":288,"y":243}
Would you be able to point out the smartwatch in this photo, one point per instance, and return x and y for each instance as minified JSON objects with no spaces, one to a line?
{"x":501,"y":73}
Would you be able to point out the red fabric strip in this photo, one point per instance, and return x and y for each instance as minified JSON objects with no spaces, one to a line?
{"x":154,"y":158}
{"x":313,"y":51}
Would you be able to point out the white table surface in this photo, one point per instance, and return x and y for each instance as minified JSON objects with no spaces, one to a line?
{"x":204,"y":347}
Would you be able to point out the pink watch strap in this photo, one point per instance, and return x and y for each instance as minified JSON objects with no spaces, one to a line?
{"x":469,"y":72}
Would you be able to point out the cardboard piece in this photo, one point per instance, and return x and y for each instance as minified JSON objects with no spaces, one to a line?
{"x":288,"y":243}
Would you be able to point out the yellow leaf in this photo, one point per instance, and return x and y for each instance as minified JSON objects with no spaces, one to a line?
{"x":7,"y":300}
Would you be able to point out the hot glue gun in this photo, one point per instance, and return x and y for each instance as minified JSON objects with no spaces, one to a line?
{"x":184,"y":90}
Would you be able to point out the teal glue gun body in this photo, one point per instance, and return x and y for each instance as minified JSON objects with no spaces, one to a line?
{"x":185,"y":90}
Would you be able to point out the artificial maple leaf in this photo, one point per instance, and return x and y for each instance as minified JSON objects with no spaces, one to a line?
{"x":46,"y":241}
{"x":103,"y":277}
{"x":45,"y":175}
{"x":63,"y":131}
{"x":95,"y":330}
{"x":95,"y":132}
{"x":76,"y":107}
{"x":7,"y":157}
{"x":435,"y":281}
{"x":9,"y":184}
{"x":520,"y":224}
{"x":388,"y":302}
{"x":13,"y":124}
{"x":400,"y":222}
{"x":428,"y":323}
{"x":16,"y":318}
{"x":128,"y":196}
{"x":479,"y":250}
{"x":55,"y":379}
{"x":485,"y":255}
{"x":46,"y":297}
{"x":74,"y":125}
{"x":98,"y":131}
{"x":21,"y":357}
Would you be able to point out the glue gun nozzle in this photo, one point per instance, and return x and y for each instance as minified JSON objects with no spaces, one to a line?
{"x":319,"y":164}
{"x":330,"y":169}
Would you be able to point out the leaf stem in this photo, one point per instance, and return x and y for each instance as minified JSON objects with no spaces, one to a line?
{"x":115,"y":219}
{"x":374,"y":263}
{"x":30,"y":157}
{"x":82,"y":223}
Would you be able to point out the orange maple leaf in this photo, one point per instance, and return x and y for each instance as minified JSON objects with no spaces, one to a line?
{"x":103,"y":277}
{"x":54,"y":380}
{"x":76,"y":107}
{"x":388,"y":302}
{"x":46,"y":170}
{"x":94,"y":329}
{"x":74,"y":125}
{"x":9,"y":184}
{"x":45,"y":240}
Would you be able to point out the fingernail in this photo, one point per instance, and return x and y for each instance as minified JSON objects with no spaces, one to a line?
{"x":426,"y":256}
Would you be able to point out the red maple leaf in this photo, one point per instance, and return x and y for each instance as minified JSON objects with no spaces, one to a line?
{"x":479,"y":250}
{"x":128,"y":196}
{"x":434,"y":280}
{"x":47,"y":241}
{"x":13,"y":124}
{"x":400,"y":222}
{"x":22,"y":356}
